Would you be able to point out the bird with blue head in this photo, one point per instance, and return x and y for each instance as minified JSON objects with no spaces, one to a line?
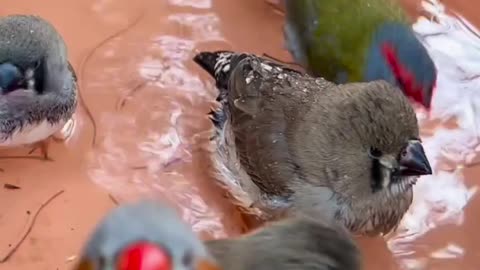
{"x":359,"y":40}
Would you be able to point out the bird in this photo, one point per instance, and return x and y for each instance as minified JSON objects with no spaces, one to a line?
{"x":292,"y":243}
{"x":144,"y":235}
{"x":359,"y":41}
{"x":38,"y":85}
{"x":285,"y":142}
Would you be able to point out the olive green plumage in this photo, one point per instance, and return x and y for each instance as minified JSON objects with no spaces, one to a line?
{"x":335,"y":36}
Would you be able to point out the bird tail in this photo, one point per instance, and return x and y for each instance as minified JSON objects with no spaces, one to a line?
{"x":214,"y":62}
{"x":219,"y":64}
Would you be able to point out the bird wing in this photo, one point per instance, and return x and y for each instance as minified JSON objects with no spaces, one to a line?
{"x":16,"y":108}
{"x":289,"y":244}
{"x":334,"y":36}
{"x":265,"y":101}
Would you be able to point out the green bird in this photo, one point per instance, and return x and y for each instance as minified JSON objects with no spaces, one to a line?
{"x":359,"y":40}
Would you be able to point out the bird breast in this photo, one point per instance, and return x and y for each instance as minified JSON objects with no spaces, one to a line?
{"x":31,"y":133}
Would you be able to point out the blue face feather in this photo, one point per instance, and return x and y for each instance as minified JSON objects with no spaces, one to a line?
{"x":413,"y":70}
{"x":10,"y":77}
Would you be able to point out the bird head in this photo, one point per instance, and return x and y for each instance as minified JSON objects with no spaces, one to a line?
{"x":10,"y":77}
{"x":397,"y":56}
{"x":33,"y":55}
{"x":144,"y":236}
{"x":374,"y":147}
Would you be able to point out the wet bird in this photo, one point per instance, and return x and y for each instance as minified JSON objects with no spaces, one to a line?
{"x":359,"y":40}
{"x":37,"y":83}
{"x":295,"y":243}
{"x":144,"y":235}
{"x":286,"y":142}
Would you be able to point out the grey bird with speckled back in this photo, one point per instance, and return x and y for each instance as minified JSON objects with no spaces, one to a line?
{"x":293,"y":243}
{"x":144,"y":235}
{"x":286,"y":142}
{"x":37,"y":83}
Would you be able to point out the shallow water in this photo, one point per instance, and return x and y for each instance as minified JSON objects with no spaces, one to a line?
{"x":150,"y":130}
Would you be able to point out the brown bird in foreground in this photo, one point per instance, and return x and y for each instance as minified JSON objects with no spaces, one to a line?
{"x":144,"y":236}
{"x":288,"y":142}
{"x":295,"y":243}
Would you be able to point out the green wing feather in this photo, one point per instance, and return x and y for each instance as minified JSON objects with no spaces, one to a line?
{"x":335,"y":34}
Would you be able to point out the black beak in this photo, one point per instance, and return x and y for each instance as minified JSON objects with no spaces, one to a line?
{"x":413,"y":161}
{"x":427,"y":98}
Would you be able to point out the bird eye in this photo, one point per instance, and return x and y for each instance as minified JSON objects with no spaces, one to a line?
{"x":403,"y":153}
{"x":375,"y":153}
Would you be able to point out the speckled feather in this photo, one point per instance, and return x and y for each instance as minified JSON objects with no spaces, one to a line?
{"x":298,"y":243}
{"x":33,"y":44}
{"x":288,"y":142}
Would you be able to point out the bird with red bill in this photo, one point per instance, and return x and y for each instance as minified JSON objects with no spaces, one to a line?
{"x":144,"y":235}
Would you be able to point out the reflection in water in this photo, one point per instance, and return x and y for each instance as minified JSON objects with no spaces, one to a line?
{"x":203,"y":27}
{"x":440,"y":199}
{"x":192,"y":3}
{"x":153,"y":142}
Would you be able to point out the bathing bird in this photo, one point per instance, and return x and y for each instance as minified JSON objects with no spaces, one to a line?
{"x":359,"y":40}
{"x":286,"y":142}
{"x":37,"y":83}
{"x":144,"y":235}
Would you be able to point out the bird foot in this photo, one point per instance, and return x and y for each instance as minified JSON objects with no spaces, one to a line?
{"x":43,"y":146}
{"x":66,"y":131}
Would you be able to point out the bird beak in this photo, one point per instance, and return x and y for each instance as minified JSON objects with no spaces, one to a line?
{"x":206,"y":264}
{"x":413,"y":161}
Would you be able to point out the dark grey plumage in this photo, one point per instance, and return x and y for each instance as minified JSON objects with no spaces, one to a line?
{"x":288,"y":142}
{"x":43,"y":99}
{"x":297,"y":243}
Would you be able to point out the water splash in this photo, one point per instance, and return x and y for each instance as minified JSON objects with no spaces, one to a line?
{"x":154,"y":142}
{"x":204,"y":27}
{"x":201,"y":4}
{"x":440,"y":199}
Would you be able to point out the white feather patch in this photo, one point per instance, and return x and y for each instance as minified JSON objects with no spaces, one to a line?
{"x":32,"y":133}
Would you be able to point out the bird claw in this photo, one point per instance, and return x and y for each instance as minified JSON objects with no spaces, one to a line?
{"x":43,"y":146}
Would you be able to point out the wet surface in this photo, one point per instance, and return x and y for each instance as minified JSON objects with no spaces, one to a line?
{"x":150,"y":135}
